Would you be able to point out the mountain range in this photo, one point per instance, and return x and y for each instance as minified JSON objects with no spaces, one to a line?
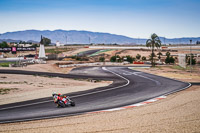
{"x":83,"y":37}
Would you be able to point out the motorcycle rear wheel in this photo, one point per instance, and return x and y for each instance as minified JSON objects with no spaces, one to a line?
{"x":61,"y":104}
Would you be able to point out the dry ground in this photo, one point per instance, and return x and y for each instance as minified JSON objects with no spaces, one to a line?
{"x":25,"y":87}
{"x":178,"y":113}
{"x":174,"y":73}
{"x":49,"y":67}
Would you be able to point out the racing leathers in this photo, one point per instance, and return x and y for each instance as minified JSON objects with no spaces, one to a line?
{"x":57,"y":98}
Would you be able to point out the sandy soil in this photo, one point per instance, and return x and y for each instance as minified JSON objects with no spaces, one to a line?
{"x":26,"y":87}
{"x":49,"y":67}
{"x":170,"y":72}
{"x":178,"y":113}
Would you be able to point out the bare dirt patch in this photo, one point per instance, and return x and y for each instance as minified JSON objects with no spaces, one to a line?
{"x":172,"y":72}
{"x":49,"y":67}
{"x":25,"y":87}
{"x":178,"y":113}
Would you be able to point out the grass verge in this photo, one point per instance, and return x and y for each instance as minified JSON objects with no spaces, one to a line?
{"x":6,"y":64}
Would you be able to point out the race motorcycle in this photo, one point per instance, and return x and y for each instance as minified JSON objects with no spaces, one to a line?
{"x":61,"y":103}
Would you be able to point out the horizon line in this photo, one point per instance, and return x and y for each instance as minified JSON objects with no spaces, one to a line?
{"x":96,"y":32}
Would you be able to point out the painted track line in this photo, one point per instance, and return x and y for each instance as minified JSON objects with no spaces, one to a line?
{"x":147,"y":101}
{"x":137,"y":74}
{"x":107,"y":110}
{"x":131,"y":106}
{"x":104,"y":68}
{"x":189,"y":84}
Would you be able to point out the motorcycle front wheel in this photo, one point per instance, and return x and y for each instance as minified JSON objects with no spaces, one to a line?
{"x":72,"y":103}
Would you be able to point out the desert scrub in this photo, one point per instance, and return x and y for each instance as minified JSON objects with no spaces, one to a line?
{"x":13,"y":82}
{"x":180,"y":68}
{"x":3,"y":77}
{"x":6,"y":90}
{"x":39,"y":86}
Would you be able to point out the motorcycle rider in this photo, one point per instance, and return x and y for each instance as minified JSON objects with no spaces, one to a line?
{"x":59,"y":97}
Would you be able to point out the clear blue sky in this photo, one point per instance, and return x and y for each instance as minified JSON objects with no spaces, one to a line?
{"x":133,"y":18}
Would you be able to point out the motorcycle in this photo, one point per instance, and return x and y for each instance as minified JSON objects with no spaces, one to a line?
{"x":61,"y":103}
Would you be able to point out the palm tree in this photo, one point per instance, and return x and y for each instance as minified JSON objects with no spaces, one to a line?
{"x":153,"y":42}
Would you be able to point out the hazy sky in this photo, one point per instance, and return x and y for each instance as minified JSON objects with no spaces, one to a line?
{"x":133,"y":18}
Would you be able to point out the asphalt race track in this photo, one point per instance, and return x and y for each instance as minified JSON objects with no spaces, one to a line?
{"x":89,"y":52}
{"x":129,"y":87}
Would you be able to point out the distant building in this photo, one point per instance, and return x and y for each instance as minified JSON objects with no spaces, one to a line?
{"x":10,"y":44}
{"x":24,"y":45}
{"x":58,"y":44}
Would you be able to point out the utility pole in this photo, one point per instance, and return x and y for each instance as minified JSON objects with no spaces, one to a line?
{"x":164,"y":40}
{"x":89,"y":40}
{"x":66,"y":39}
{"x":190,"y":56}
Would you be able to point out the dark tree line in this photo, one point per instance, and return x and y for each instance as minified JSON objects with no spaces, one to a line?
{"x":198,"y":42}
{"x":3,"y":45}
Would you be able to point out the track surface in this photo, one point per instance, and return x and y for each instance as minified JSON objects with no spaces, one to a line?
{"x":129,"y":87}
{"x":89,"y":52}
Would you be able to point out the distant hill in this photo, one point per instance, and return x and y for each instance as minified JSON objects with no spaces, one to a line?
{"x":184,"y":40}
{"x":9,"y":40}
{"x":84,"y":37}
{"x":69,"y":37}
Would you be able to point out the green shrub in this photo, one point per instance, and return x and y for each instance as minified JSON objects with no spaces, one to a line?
{"x":144,"y":58}
{"x":138,"y":56}
{"x":130,"y":58}
{"x":193,"y":60}
{"x":116,"y":59}
{"x":169,"y":60}
{"x":102,"y":59}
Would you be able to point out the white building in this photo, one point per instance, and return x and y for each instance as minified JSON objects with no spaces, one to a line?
{"x":24,"y":45}
{"x":58,"y":44}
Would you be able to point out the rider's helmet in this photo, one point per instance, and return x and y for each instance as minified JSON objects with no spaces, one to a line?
{"x":54,"y":93}
{"x":59,"y":94}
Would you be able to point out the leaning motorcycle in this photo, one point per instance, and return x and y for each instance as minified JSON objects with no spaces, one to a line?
{"x":69,"y":102}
